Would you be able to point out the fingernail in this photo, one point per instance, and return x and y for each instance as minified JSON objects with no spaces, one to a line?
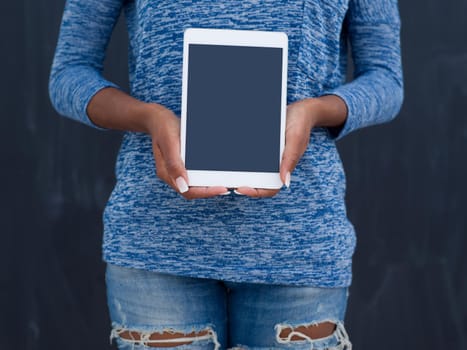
{"x":287,"y":180}
{"x":225,"y":193}
{"x":240,"y":194}
{"x":181,"y":184}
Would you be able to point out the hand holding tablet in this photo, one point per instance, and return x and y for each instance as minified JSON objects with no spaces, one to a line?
{"x":234,"y":107}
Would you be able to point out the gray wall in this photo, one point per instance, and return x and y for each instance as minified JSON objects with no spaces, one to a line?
{"x":406,"y":194}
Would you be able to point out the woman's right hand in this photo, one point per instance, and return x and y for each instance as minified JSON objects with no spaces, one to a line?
{"x":164,"y":128}
{"x":112,"y":108}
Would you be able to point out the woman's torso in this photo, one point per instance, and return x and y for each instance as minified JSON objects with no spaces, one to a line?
{"x":300,"y":236}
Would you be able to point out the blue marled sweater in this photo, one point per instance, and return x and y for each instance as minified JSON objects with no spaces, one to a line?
{"x":302,"y":236}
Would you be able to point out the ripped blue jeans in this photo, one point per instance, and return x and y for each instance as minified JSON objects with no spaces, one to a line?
{"x":235,"y":315}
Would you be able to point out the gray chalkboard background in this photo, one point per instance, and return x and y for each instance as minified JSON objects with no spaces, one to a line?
{"x":407,"y":194}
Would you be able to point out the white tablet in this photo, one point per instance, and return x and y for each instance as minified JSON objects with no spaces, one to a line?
{"x":233,"y":107}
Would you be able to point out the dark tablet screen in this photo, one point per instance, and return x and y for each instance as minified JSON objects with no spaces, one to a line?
{"x":233,"y":108}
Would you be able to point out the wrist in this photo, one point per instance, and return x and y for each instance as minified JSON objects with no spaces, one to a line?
{"x":326,"y":111}
{"x":313,"y":111}
{"x":150,"y":115}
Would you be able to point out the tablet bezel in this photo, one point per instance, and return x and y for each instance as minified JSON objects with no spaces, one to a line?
{"x":234,"y":179}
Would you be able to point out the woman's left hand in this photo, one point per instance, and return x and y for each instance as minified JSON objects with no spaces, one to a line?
{"x":299,"y":122}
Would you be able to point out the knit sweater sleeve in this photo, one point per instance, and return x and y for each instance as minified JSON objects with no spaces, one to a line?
{"x":375,"y":94}
{"x":76,"y":73}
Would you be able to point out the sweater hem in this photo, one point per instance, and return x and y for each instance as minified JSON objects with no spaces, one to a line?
{"x":332,"y":280}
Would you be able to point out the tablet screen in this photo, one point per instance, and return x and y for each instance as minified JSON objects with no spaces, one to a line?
{"x":233,"y":108}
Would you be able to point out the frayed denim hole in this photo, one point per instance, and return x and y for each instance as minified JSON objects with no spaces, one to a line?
{"x":145,"y":334}
{"x":338,"y":340}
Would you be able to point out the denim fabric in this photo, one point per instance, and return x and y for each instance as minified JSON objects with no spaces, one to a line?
{"x":245,"y":315}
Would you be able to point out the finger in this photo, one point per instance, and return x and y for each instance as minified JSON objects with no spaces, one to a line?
{"x":293,"y":151}
{"x":204,"y":192}
{"x":161,"y":169}
{"x":160,"y":164}
{"x":170,"y":152}
{"x":256,"y":192}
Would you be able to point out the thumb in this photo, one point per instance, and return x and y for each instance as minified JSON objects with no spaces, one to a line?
{"x":174,"y":165}
{"x":290,"y":158}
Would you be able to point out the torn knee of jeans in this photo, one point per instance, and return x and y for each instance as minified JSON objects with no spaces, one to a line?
{"x":168,"y":337}
{"x":312,"y":332}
